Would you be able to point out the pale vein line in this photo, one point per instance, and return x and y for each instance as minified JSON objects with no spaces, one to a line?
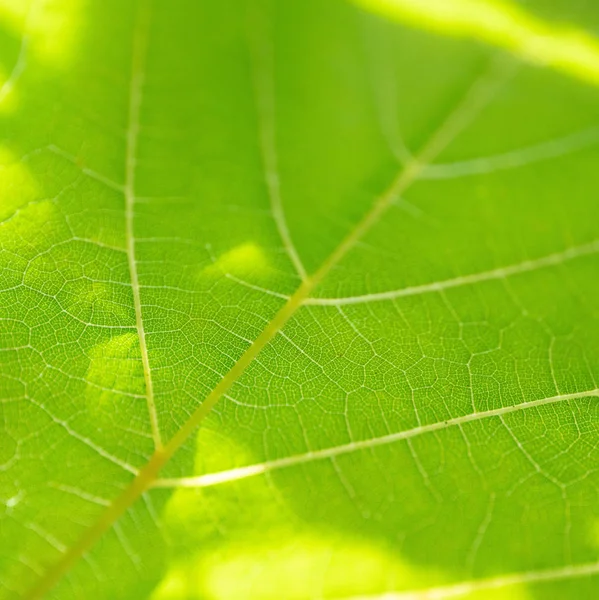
{"x":482,"y":530}
{"x":211,"y":479}
{"x":469,"y":587}
{"x":85,"y":440}
{"x":261,"y":54}
{"x":515,"y":158}
{"x":68,"y":489}
{"x":257,"y":288}
{"x":135,"y":100}
{"x":113,"y":185}
{"x":526,"y":266}
{"x":46,"y":536}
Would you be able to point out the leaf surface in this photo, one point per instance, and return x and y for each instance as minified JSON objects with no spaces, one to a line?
{"x":298,"y":300}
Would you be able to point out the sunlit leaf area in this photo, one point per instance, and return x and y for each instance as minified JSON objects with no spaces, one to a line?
{"x":299,"y":299}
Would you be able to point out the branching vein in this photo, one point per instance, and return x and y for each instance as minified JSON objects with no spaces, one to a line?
{"x":526,"y":266}
{"x":477,"y":97}
{"x":516,"y":158}
{"x":211,"y":479}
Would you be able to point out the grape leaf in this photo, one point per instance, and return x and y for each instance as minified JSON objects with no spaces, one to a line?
{"x":299,"y":299}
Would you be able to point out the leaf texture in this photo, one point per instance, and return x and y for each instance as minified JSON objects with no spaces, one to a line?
{"x":298,"y":300}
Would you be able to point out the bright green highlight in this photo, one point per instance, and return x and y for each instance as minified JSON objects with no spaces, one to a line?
{"x":504,"y":24}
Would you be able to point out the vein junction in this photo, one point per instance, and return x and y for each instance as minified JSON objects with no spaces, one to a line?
{"x":526,"y":266}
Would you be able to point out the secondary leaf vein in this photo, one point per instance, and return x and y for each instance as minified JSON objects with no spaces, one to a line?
{"x":135,"y":100}
{"x":211,"y":479}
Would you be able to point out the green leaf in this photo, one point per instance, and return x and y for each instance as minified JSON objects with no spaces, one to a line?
{"x":298,"y":299}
